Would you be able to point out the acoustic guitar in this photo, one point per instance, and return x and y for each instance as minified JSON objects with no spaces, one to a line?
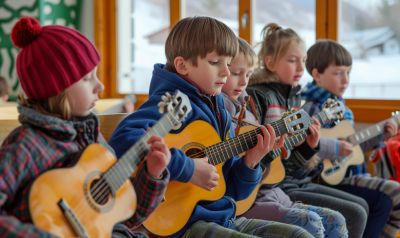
{"x":88,"y":199}
{"x":199,"y":139}
{"x":334,"y":172}
{"x":332,"y":111}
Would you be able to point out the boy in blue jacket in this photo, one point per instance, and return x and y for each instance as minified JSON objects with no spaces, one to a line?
{"x":199,"y":51}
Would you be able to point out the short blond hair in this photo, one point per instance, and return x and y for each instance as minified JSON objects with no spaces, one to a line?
{"x":248,"y":52}
{"x":194,"y":37}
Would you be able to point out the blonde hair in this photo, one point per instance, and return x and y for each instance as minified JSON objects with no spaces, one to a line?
{"x":276,"y":43}
{"x":248,"y":52}
{"x":192,"y":37}
{"x":57,"y":106}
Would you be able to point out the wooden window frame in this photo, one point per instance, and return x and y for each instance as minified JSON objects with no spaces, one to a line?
{"x":327,"y":14}
{"x":327,"y":27}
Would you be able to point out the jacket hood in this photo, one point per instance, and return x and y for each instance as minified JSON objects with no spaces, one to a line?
{"x":262,"y":76}
{"x":166,"y":81}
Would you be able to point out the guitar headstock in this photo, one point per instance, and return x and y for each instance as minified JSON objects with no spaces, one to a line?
{"x":177,"y":105}
{"x":296,"y":121}
{"x":333,"y":109}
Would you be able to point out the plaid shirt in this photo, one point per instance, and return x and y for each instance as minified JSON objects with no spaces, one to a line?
{"x":315,"y":97}
{"x":42,"y":143}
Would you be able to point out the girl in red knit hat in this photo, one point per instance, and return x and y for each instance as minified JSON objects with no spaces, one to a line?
{"x":57,"y":68}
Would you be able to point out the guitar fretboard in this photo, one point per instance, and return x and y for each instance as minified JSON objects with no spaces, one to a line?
{"x":293,"y":140}
{"x":370,"y":132}
{"x":225,"y":150}
{"x":127,"y":164}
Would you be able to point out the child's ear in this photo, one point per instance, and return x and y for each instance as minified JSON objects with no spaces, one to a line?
{"x":315,"y":75}
{"x":180,"y":65}
{"x":268,"y":62}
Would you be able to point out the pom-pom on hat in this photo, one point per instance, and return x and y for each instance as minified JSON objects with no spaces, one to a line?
{"x":51,"y":58}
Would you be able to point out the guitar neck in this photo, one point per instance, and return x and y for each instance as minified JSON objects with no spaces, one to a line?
{"x":293,"y":140}
{"x":370,"y":132}
{"x":225,"y":150}
{"x":128,"y":163}
{"x":321,"y":117}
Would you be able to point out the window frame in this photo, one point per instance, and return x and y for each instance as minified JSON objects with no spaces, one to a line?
{"x":365,"y":110}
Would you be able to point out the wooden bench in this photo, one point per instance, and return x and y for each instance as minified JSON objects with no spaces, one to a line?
{"x":6,"y":126}
{"x":8,"y":111}
{"x":108,"y":123}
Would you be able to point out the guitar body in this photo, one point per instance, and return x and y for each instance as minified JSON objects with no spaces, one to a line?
{"x":333,"y":174}
{"x":276,"y":172}
{"x":182,"y":197}
{"x":72,"y":185}
{"x":273,"y":175}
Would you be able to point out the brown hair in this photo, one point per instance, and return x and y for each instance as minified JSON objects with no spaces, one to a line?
{"x":4,"y":87}
{"x":326,"y":52}
{"x":248,"y":52}
{"x":192,"y":37}
{"x":57,"y":106}
{"x":276,"y":42}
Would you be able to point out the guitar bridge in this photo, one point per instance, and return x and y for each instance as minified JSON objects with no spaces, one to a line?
{"x":332,"y":170}
{"x":72,"y":219}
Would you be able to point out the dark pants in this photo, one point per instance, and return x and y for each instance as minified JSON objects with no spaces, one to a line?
{"x":380,"y":206}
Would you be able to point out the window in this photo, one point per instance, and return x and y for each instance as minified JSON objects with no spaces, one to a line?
{"x":143,"y":27}
{"x":223,"y":10}
{"x":296,"y":14}
{"x":374,"y":45}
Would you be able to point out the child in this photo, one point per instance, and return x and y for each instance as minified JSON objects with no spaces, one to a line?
{"x":198,"y":52}
{"x":4,"y":90}
{"x":275,"y":89}
{"x":329,"y":63}
{"x":272,"y":203}
{"x":57,"y":125}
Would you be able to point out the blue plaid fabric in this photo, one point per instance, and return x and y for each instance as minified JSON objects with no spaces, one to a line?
{"x":313,"y":93}
{"x":315,"y":97}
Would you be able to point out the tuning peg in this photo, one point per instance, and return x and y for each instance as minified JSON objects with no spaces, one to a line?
{"x":161,"y":106}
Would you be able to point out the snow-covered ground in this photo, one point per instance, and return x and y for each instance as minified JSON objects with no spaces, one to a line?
{"x":375,"y":77}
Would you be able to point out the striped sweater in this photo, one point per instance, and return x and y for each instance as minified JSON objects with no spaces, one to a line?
{"x":273,"y":99}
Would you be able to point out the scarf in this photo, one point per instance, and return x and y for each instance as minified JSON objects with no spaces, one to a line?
{"x":313,"y":93}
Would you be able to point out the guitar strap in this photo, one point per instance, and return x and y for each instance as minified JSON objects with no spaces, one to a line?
{"x":248,"y":101}
{"x":240,"y":118}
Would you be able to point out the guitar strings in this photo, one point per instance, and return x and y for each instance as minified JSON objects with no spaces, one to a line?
{"x":101,"y":190}
{"x":214,"y":152}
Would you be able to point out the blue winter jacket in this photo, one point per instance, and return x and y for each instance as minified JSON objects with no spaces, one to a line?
{"x":240,"y":179}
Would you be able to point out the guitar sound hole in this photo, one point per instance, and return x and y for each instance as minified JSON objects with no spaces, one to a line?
{"x":100,"y":191}
{"x":195,"y":153}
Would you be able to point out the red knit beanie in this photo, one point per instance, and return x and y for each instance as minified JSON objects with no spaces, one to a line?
{"x":51,"y":58}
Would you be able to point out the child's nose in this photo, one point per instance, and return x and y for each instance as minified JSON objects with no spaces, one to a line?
{"x":345,"y":79}
{"x":243,"y":80}
{"x":300,"y":66}
{"x":99,"y":86}
{"x":224,"y":71}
